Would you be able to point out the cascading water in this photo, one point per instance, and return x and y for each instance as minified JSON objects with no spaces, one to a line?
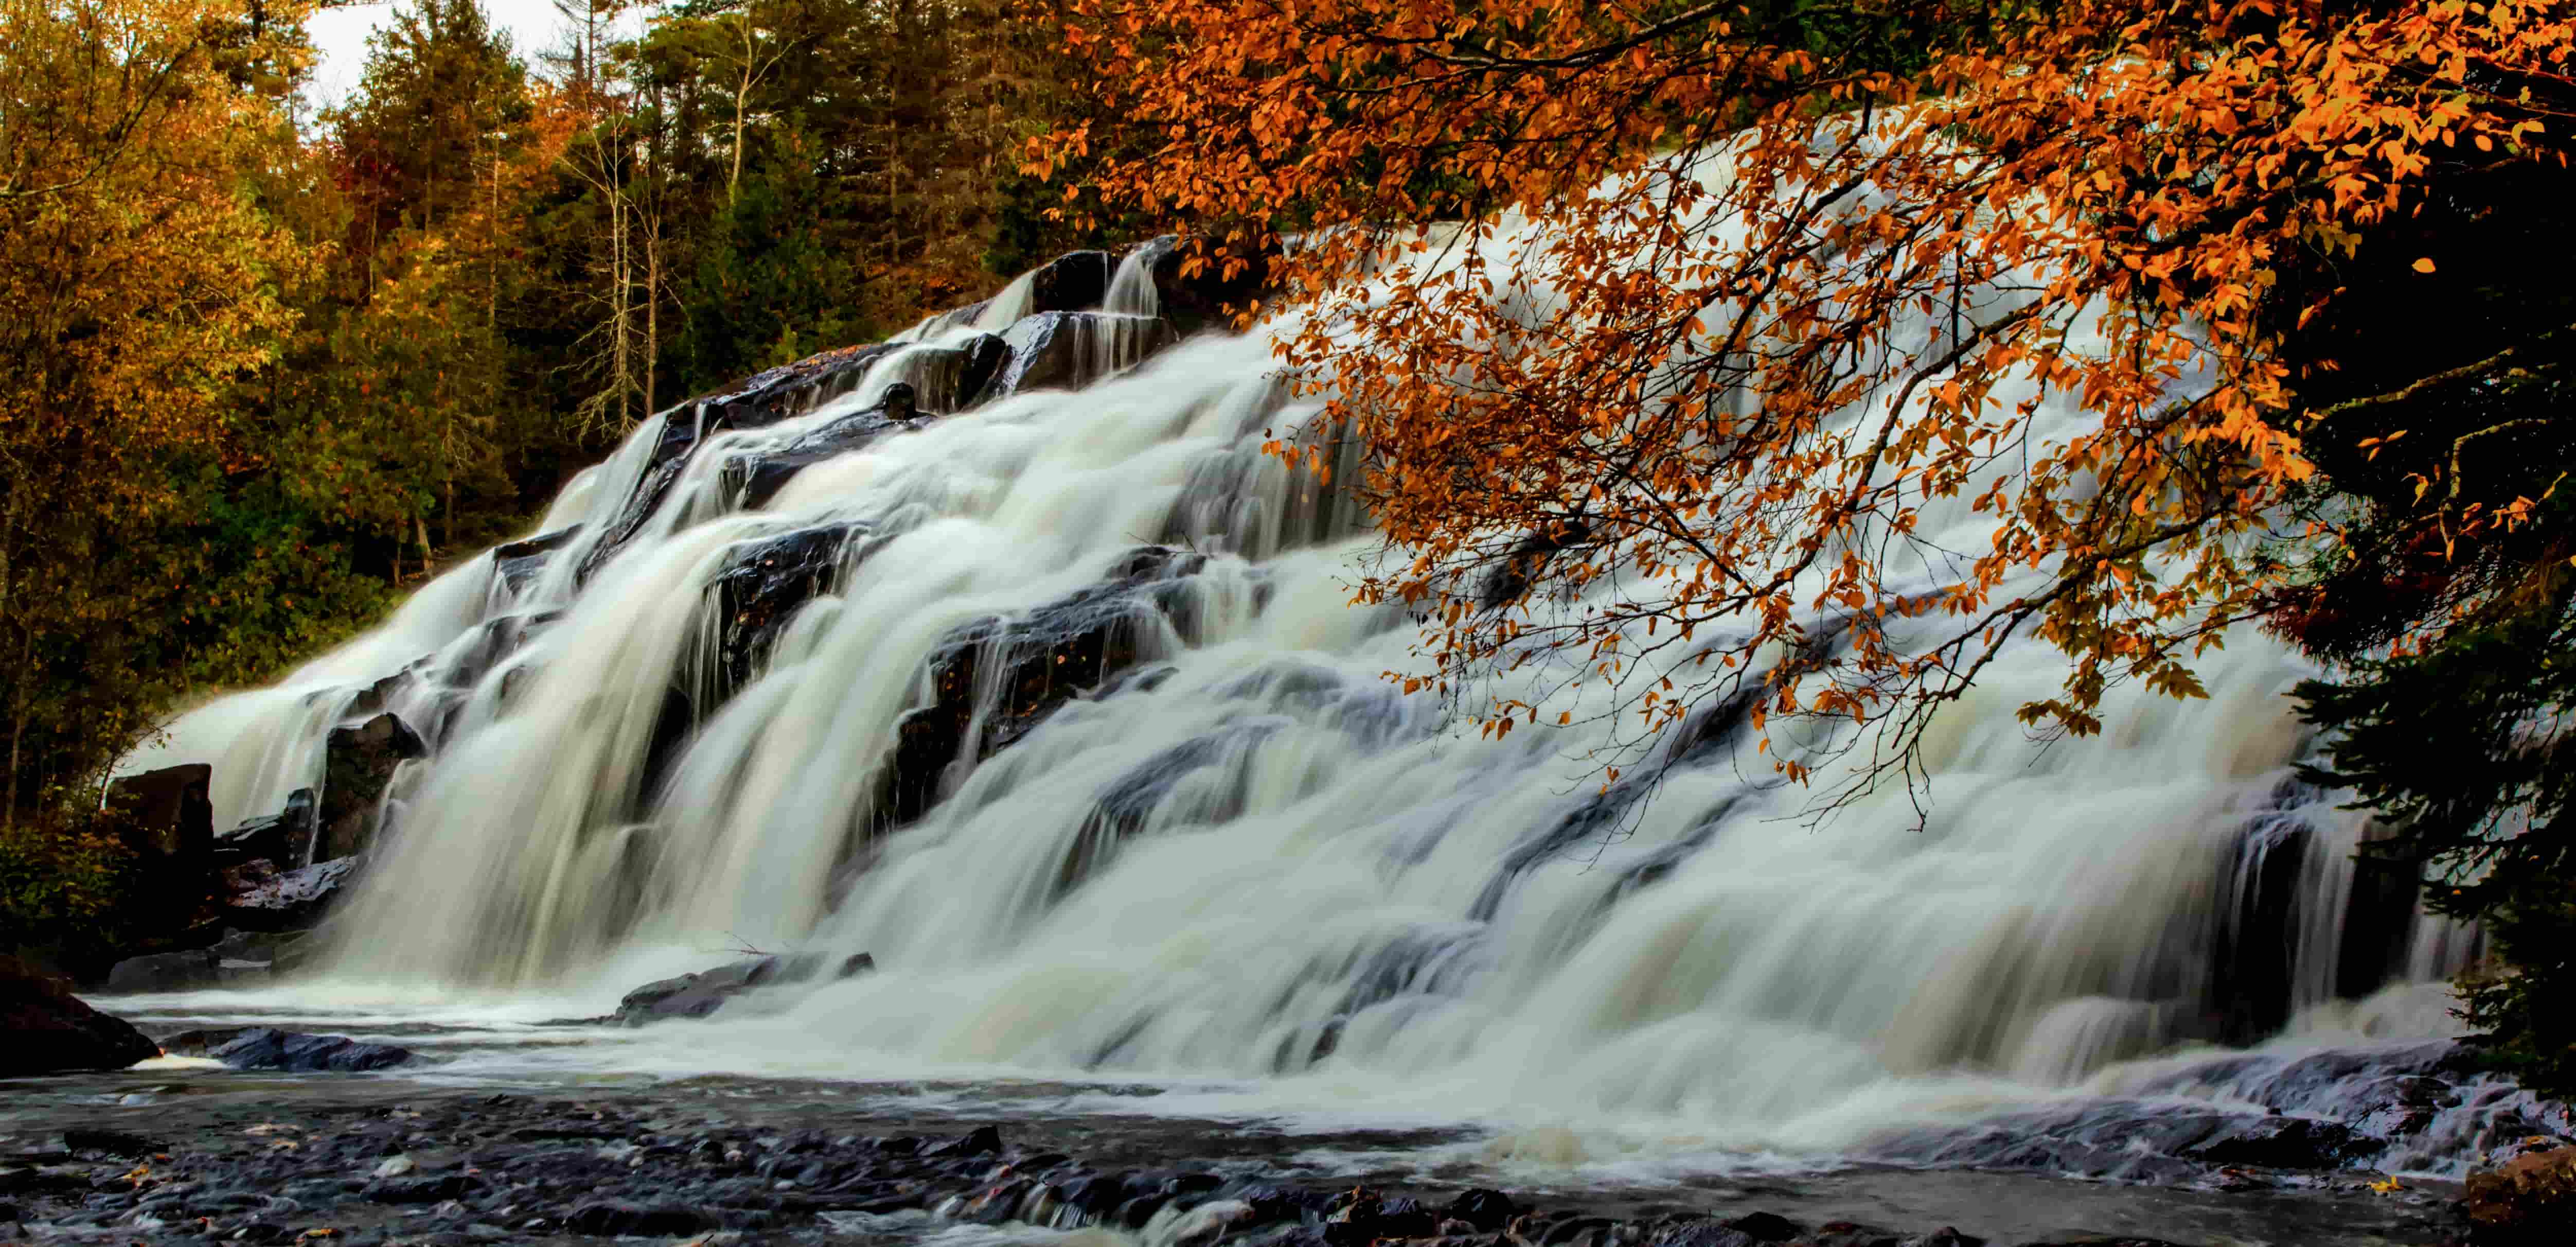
{"x":1003,"y":653}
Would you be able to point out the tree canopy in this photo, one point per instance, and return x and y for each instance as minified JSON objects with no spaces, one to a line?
{"x":1840,"y":258}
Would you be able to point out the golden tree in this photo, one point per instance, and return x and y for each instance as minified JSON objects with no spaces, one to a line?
{"x":1738,"y":293}
{"x":136,"y":279}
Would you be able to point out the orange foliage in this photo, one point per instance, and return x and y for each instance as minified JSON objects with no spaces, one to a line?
{"x":2086,"y":202}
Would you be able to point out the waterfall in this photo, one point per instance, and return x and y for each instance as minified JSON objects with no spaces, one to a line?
{"x":1003,"y":653}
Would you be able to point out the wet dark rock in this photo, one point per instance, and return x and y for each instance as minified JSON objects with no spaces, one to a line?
{"x":518,"y":564}
{"x":1482,"y":1208}
{"x":117,"y":1143}
{"x":762,"y":400}
{"x":167,"y":823}
{"x":358,"y":764}
{"x":1207,"y":297}
{"x":374,"y":698}
{"x":1072,"y":282}
{"x":422,"y":1189}
{"x":1699,"y":1232}
{"x":620,"y":1218}
{"x":949,"y":377}
{"x":168,"y":809}
{"x":1126,"y":803}
{"x":1765,"y":1227}
{"x":2276,"y":1143}
{"x":1046,"y":658}
{"x":291,"y":901}
{"x":694,"y":995}
{"x":1068,"y":350}
{"x":787,"y":390}
{"x":286,"y":836}
{"x":981,"y":1141}
{"x":164,"y":972}
{"x":759,"y":477}
{"x":251,"y":945}
{"x":201,"y":1041}
{"x":762,"y":586}
{"x":699,"y":994}
{"x":295,"y":1052}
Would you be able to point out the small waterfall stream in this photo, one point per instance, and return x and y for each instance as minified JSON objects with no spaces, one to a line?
{"x":1002,"y":653}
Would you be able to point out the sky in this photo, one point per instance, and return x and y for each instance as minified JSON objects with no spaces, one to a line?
{"x":341,"y":36}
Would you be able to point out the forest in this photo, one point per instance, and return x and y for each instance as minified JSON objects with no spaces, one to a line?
{"x":268,"y":367}
{"x":263,"y":370}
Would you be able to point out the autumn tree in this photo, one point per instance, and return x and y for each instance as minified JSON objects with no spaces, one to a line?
{"x":1785,"y":296}
{"x":137,"y":281}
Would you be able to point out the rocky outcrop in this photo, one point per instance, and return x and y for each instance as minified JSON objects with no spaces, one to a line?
{"x":292,"y":901}
{"x":294,"y":1052}
{"x":757,"y":478}
{"x":1036,"y":662}
{"x":1068,"y":350}
{"x":44,"y":1029}
{"x":759,"y":402}
{"x":286,"y":836}
{"x":517,"y":564}
{"x":358,"y":764}
{"x":185,"y":971}
{"x":2364,"y":1109}
{"x":762,"y":586}
{"x":1073,"y":282}
{"x":699,"y":994}
{"x":168,"y":809}
{"x":2527,"y":1201}
{"x":168,"y":825}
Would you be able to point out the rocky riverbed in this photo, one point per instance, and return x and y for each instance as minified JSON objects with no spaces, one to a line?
{"x":182,"y":1150}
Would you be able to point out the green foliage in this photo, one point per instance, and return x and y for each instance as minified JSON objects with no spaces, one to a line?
{"x":59,"y":873}
{"x":2446,"y":591}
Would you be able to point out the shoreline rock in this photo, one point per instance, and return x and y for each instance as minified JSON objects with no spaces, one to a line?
{"x":583,"y":1165}
{"x":44,"y":1029}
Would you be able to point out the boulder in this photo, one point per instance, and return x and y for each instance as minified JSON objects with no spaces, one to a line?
{"x":292,"y":901}
{"x":2530,"y":1199}
{"x":759,"y":477}
{"x":358,"y":763}
{"x":44,"y":1029}
{"x":1073,"y":282}
{"x":763,"y":584}
{"x":168,"y":823}
{"x":271,"y":1049}
{"x":517,"y":564}
{"x":1068,"y":350}
{"x":696,"y":995}
{"x":285,"y":836}
{"x":758,"y":402}
{"x":1048,"y":656}
{"x":699,"y":994}
{"x":949,"y":377}
{"x":168,"y":809}
{"x":192,"y":970}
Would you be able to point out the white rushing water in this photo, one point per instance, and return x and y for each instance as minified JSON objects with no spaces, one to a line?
{"x":1248,"y":857}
